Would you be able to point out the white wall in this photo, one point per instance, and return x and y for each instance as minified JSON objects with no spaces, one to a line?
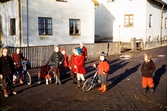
{"x":9,"y":10}
{"x":109,"y":16}
{"x":60,"y":12}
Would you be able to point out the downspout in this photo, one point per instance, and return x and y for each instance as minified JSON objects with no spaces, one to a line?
{"x":27,"y":24}
{"x":161,"y":24}
{"x":19,"y":12}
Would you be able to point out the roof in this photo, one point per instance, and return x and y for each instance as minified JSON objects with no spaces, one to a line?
{"x":158,"y":2}
{"x":4,"y":0}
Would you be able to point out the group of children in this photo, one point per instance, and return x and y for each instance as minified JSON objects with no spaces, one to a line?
{"x":76,"y":64}
{"x":58,"y":64}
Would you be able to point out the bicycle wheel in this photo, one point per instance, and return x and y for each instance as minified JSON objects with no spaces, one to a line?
{"x":88,"y":85}
{"x":27,"y":77}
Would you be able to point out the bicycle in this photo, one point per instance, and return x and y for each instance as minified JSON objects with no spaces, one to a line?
{"x":25,"y":74}
{"x":90,"y":83}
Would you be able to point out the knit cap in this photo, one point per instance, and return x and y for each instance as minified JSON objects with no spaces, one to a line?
{"x":79,"y":50}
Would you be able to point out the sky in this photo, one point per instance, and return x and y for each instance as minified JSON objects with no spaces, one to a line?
{"x":165,"y":1}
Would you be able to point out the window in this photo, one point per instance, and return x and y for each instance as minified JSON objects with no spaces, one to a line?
{"x":62,"y":0}
{"x":12,"y":26}
{"x":166,"y":23}
{"x":128,"y":20}
{"x":74,"y":25}
{"x":150,"y":20}
{"x":45,"y":26}
{"x":111,"y":1}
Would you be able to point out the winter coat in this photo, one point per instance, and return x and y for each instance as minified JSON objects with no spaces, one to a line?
{"x":103,"y":66}
{"x":148,"y":69}
{"x":17,"y":58}
{"x":56,"y":58}
{"x":6,"y":65}
{"x":84,"y":52}
{"x":65,"y":60}
{"x":79,"y":62}
{"x":71,"y":61}
{"x":44,"y":70}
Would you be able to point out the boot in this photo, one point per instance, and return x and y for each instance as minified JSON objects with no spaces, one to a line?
{"x":73,"y":81}
{"x":101,"y":88}
{"x":78,"y":84}
{"x":21,"y":80}
{"x":104,"y":88}
{"x":5,"y":93}
{"x":152,"y":90}
{"x":144,"y":90}
{"x":47,"y":81}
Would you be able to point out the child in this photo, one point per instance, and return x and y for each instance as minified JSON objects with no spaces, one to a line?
{"x":71,"y":66}
{"x":103,"y":68}
{"x":57,"y":60}
{"x":43,"y":71}
{"x":7,"y":70}
{"x":79,"y":66}
{"x":65,"y":65}
{"x":147,"y":69}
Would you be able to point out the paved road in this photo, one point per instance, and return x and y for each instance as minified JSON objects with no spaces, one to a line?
{"x":124,"y":90}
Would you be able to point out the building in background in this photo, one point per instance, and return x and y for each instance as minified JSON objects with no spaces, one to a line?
{"x":46,"y":22}
{"x":124,"y":20}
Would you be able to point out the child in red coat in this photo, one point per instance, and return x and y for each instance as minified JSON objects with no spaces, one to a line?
{"x":43,"y":72}
{"x":79,"y":66}
{"x":103,"y":68}
{"x":65,"y":64}
{"x":71,"y":66}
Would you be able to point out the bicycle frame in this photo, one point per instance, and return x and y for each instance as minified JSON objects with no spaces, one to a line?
{"x":24,"y":72}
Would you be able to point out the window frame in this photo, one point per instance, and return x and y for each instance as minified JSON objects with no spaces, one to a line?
{"x":44,"y":27}
{"x":12,"y":26}
{"x":150,"y":20}
{"x":110,"y":1}
{"x":61,"y":0}
{"x":74,"y":28}
{"x":165,"y":23}
{"x":129,"y":20}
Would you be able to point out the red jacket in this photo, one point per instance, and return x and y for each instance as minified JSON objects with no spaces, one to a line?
{"x":79,"y":62}
{"x":103,"y":66}
{"x":71,"y":61}
{"x":44,"y":70}
{"x":65,"y":60}
{"x":17,"y":58}
{"x":84,"y":51}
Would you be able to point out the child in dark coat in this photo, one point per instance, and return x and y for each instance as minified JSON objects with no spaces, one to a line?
{"x":147,"y":69}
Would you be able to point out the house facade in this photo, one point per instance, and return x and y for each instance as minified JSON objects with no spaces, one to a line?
{"x":46,"y":22}
{"x":123,"y":20}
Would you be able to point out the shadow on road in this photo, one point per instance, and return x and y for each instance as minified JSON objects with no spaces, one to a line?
{"x":157,"y":75}
{"x":119,"y":78}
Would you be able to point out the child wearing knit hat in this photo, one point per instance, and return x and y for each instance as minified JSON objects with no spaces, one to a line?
{"x":79,"y":66}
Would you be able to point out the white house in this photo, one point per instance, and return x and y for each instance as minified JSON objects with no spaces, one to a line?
{"x":46,"y":22}
{"x":123,"y":20}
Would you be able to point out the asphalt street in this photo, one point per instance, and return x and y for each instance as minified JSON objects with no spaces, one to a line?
{"x":124,"y":91}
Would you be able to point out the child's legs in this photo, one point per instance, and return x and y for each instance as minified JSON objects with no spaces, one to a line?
{"x":100,"y":78}
{"x":80,"y":77}
{"x":104,"y":79}
{"x":150,"y":82}
{"x":144,"y":82}
{"x":4,"y":82}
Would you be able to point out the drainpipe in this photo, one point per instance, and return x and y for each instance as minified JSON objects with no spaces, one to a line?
{"x":27,"y":24}
{"x":19,"y":12}
{"x":161,"y":24}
